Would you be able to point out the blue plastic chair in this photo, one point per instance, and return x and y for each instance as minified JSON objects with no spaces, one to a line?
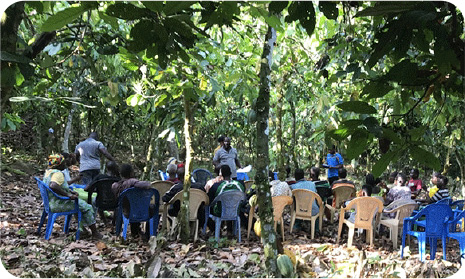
{"x":457,"y":205}
{"x":447,"y":201}
{"x":242,"y":176}
{"x":201,"y":176}
{"x":44,"y":192}
{"x":459,"y":236}
{"x":140,"y":209}
{"x":436,"y":216}
{"x":230,"y":202}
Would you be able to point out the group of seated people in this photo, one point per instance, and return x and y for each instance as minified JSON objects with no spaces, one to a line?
{"x":398,"y":188}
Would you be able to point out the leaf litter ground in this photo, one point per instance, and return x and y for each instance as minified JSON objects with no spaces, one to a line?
{"x":26,"y":254}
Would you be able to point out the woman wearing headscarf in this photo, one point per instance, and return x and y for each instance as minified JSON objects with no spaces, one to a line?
{"x":55,"y":179}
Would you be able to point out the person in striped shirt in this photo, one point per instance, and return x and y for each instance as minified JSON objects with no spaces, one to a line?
{"x":443,"y":192}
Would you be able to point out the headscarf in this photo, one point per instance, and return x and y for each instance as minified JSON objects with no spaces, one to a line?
{"x":55,"y":160}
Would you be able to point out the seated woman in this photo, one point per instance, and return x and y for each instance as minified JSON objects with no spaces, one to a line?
{"x":55,"y":179}
{"x":400,"y":191}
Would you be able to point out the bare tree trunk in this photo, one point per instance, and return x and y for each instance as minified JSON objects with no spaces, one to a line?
{"x":294,"y":136}
{"x":461,"y":162}
{"x":65,"y":144}
{"x":265,"y":207}
{"x":184,"y":212}
{"x":148,"y":158}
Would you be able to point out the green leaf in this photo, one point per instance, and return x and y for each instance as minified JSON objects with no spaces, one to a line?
{"x":357,"y":144}
{"x":381,"y":9}
{"x":383,"y":162}
{"x":357,"y":107}
{"x":127,"y":11}
{"x":277,"y":7}
{"x":172,"y":7}
{"x":425,"y":157}
{"x":403,"y":72}
{"x":63,"y":17}
{"x":417,"y":133}
{"x":329,"y":9}
{"x":376,"y":89}
{"x":156,"y":6}
{"x":391,"y":135}
{"x":10,"y":57}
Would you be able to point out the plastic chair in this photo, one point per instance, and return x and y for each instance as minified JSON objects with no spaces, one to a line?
{"x":402,"y":208}
{"x":457,"y":205}
{"x":279,"y":203}
{"x":341,"y":193}
{"x":139,"y":209}
{"x":366,"y":208}
{"x":323,"y":188}
{"x":162,"y":187}
{"x":45,"y":191}
{"x":196,"y":198}
{"x":105,"y":199}
{"x":436,"y":216}
{"x":459,"y":236}
{"x":230,"y":202}
{"x":303,"y":209}
{"x":248,"y":184}
{"x":201,"y":176}
{"x":447,"y":201}
{"x":242,"y":176}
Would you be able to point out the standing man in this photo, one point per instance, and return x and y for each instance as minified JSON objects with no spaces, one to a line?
{"x":88,"y":153}
{"x":334,"y":162}
{"x":227,"y":155}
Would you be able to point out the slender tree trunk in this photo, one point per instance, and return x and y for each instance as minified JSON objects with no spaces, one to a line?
{"x":294,"y":136}
{"x":279,"y":131}
{"x":148,"y":158}
{"x":265,"y":207}
{"x":69,"y":122}
{"x":184,"y":212}
{"x":461,"y":162}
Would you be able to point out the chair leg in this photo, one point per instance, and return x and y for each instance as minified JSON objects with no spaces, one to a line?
{"x":394,"y":232}
{"x":50,"y":222}
{"x":312,"y":228}
{"x":249,"y":227}
{"x":444,"y":247}
{"x":196,"y":233}
{"x":282,"y":227}
{"x":125,"y":227}
{"x":422,"y":247}
{"x":217,"y":229}
{"x":351,"y":237}
{"x":339,"y":231}
{"x":292,"y":223}
{"x":238,"y":224}
{"x":67,"y":222}
{"x":42,"y":220}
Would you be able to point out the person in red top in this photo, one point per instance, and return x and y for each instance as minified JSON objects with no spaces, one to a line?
{"x":414,"y":183}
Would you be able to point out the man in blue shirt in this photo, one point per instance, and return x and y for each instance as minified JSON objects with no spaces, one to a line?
{"x":334,"y":162}
{"x":307,"y":185}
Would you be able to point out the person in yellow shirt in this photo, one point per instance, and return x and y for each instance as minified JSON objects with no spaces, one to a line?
{"x":55,"y":179}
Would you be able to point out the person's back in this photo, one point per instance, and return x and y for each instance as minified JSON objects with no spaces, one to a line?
{"x":307,"y":185}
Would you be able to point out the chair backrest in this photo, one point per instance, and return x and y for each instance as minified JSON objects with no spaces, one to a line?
{"x":366,"y":209}
{"x":139,"y":203}
{"x":399,"y":202}
{"x":436,"y":214}
{"x":304,"y":200}
{"x":447,"y":201}
{"x":404,"y":211}
{"x":196,"y":198}
{"x":248,"y":184}
{"x":279,"y":202}
{"x":162,"y":186}
{"x":230,"y":202}
{"x":105,"y":199}
{"x":343,"y":193}
{"x":458,"y":204}
{"x":201,"y":176}
{"x":43,"y":188}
